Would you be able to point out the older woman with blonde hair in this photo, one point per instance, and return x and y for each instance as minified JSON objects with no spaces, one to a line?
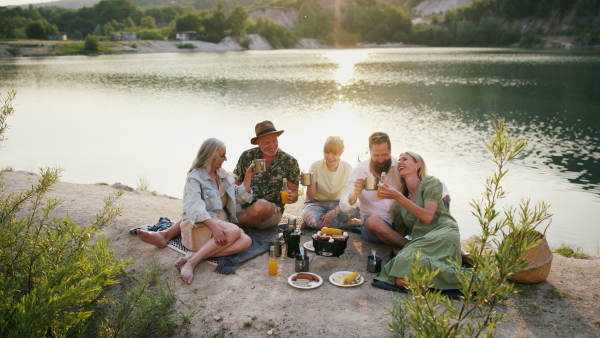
{"x":435,"y":232}
{"x":321,"y":208}
{"x":207,"y":226}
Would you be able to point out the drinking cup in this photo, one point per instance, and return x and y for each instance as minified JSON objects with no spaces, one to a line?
{"x":259,"y":166}
{"x":371,"y":183}
{"x":307,"y":179}
{"x":374,"y":263}
{"x":275,"y":248}
{"x":302,"y":263}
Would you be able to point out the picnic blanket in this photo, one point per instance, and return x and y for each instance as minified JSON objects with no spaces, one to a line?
{"x":227,"y":264}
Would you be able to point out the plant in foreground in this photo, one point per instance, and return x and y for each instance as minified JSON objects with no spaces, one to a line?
{"x":52,"y":271}
{"x":144,"y":310}
{"x":496,"y":254}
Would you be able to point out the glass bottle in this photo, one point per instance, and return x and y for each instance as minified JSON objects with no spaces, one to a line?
{"x":284,"y":192}
{"x":381,"y":183}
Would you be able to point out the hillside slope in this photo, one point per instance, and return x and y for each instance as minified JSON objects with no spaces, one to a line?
{"x":429,"y":7}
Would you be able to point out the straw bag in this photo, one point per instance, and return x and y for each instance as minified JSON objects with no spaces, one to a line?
{"x":539,"y":261}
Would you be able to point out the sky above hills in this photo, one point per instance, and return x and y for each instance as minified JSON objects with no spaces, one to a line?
{"x":21,"y":2}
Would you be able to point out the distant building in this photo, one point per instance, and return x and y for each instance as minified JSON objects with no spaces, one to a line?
{"x":59,"y":37}
{"x":185,"y":36}
{"x":123,"y":36}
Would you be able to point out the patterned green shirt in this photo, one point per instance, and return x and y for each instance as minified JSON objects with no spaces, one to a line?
{"x":267,"y":185}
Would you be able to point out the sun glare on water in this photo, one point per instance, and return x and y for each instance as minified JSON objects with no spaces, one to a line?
{"x":346,"y":60}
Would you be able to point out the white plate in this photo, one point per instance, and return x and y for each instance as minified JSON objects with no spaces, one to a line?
{"x":312,"y":285}
{"x":309,"y":246}
{"x":343,"y":274}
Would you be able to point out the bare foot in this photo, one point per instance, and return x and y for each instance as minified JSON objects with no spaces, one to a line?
{"x":157,"y":239}
{"x":187,"y":273}
{"x":401,"y":282}
{"x":180,"y":262}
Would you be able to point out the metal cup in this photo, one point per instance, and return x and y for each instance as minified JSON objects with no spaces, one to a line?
{"x":302,"y":263}
{"x":307,"y":179}
{"x":259,"y":166}
{"x":374,"y":263}
{"x":371,"y":183}
{"x":275,"y":249}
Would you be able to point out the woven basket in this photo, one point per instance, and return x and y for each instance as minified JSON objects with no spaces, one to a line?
{"x":539,"y":261}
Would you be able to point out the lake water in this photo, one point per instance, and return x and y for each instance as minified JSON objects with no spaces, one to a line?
{"x":121,"y":117}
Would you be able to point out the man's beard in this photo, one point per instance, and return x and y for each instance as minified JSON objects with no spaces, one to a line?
{"x":381,"y":167}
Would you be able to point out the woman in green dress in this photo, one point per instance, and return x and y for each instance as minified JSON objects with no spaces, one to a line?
{"x":434,"y":232}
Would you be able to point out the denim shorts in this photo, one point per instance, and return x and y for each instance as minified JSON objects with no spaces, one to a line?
{"x":367,"y":236}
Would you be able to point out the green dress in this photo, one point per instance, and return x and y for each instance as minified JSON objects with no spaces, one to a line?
{"x":439,"y":241}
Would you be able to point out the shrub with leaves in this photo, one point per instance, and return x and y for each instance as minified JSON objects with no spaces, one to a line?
{"x":496,"y":254}
{"x":51,"y":270}
{"x":144,"y":310}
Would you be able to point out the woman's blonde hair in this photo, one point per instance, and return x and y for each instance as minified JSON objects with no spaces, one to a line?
{"x":209,"y":150}
{"x":421,"y":172}
{"x":334,"y":145}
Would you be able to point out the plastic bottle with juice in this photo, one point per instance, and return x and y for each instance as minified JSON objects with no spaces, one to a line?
{"x":381,"y":183}
{"x":284,"y":191}
{"x":272,"y":266}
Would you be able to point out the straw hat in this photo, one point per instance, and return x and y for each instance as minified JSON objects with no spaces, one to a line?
{"x":265,"y":128}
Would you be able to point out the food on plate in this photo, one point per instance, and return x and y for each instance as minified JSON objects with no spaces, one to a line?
{"x":305,"y":283}
{"x":311,"y":278}
{"x":331,"y":231}
{"x":352,"y":278}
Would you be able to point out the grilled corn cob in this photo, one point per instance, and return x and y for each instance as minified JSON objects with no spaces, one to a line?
{"x":331,"y":231}
{"x":350,"y":278}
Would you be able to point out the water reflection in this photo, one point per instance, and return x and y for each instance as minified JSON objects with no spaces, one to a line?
{"x":437,"y":102}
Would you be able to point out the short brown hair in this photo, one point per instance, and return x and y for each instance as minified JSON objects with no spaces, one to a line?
{"x":379,"y":137}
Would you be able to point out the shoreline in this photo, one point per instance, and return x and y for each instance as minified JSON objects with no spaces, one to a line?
{"x":566,"y":304}
{"x":44,"y":48}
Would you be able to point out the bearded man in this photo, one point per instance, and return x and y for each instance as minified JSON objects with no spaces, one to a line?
{"x":376,"y":214}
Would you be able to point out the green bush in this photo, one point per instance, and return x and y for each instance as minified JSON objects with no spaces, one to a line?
{"x":52,"y":270}
{"x":245,"y":43}
{"x":151,"y":34}
{"x":144,"y":310}
{"x":91,"y":43}
{"x":185,"y":46}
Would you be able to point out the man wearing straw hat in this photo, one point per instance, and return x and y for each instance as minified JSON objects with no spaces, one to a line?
{"x":266,"y":208}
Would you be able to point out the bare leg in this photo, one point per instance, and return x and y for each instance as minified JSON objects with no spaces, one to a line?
{"x":374,"y":225}
{"x":237,"y":241}
{"x":355,"y":222}
{"x":160,"y":239}
{"x":257,"y":213}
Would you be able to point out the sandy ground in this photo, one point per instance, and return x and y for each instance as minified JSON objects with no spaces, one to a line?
{"x":564,"y":305}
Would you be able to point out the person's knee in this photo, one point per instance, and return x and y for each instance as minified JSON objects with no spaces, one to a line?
{"x":246,"y":241}
{"x":233,"y":230}
{"x":376,"y":226}
{"x":261,"y":208}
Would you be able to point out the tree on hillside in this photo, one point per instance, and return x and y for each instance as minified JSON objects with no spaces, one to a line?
{"x":237,"y":22}
{"x":191,"y":21}
{"x":107,"y":10}
{"x":148,"y":22}
{"x":40,"y":29}
{"x":214,"y":25}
